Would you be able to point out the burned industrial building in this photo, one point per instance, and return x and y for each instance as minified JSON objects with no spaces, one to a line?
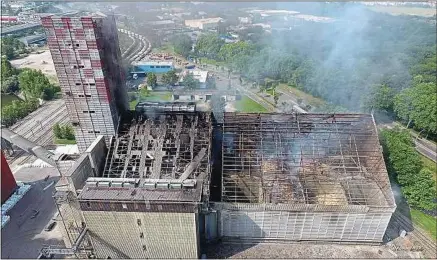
{"x":173,"y":179}
{"x":303,"y":177}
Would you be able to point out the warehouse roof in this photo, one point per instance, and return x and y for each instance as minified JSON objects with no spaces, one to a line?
{"x":325,"y":159}
{"x":152,"y":63}
{"x":141,"y":194}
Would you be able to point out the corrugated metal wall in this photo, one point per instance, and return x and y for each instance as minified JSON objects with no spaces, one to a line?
{"x":304,"y":225}
{"x":143,"y":235}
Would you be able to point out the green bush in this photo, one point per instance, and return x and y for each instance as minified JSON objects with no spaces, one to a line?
{"x":17,"y":110}
{"x":63,"y":132}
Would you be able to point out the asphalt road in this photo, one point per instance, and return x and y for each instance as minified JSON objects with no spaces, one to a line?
{"x":426,"y":149}
{"x":23,"y":237}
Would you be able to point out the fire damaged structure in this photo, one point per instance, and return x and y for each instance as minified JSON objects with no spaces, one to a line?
{"x":303,"y":177}
{"x":153,"y":185}
{"x":173,"y":179}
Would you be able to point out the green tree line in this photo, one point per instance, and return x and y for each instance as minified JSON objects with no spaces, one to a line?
{"x":32,"y":83}
{"x":12,"y":47}
{"x":405,"y":166}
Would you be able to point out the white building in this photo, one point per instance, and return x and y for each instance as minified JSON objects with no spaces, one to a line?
{"x":245,"y":20}
{"x":204,"y":24}
{"x":200,"y":75}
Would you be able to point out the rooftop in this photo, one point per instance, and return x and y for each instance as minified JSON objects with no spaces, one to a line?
{"x":206,"y":20}
{"x":139,"y":194}
{"x":152,"y":63}
{"x":325,"y":159}
{"x":158,"y":144}
{"x":200,"y":75}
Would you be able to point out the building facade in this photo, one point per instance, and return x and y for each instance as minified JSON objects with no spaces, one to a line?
{"x":204,"y":24}
{"x":153,"y":67}
{"x":87,"y":60}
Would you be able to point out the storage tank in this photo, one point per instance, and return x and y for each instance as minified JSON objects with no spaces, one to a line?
{"x":8,"y":181}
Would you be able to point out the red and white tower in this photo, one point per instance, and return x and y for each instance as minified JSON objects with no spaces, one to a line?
{"x":87,"y":60}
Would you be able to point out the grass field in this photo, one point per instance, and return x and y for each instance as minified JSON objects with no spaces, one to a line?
{"x":247,"y":105}
{"x":213,"y":62}
{"x":164,"y":48}
{"x":307,"y":98}
{"x":153,"y":96}
{"x":402,"y":10}
{"x":64,"y":141}
{"x":425,"y":222}
{"x":7,"y":99}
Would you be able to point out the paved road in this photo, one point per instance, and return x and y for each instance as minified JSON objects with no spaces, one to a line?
{"x":286,"y":98}
{"x":423,"y":146}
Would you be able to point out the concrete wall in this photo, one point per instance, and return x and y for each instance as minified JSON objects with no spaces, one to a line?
{"x":159,"y":235}
{"x":282,"y":225}
{"x":97,"y":153}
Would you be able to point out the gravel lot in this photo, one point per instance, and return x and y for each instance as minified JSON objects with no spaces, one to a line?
{"x":42,"y":61}
{"x":305,"y":251}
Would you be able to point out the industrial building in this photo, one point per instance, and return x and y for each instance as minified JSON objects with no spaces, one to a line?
{"x":303,"y":177}
{"x":202,"y":76}
{"x":204,"y":24}
{"x":172,"y":179}
{"x":141,"y":67}
{"x":87,"y":60}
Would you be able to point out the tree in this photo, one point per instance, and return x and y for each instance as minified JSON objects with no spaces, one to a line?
{"x":7,"y":69}
{"x":182,"y":44}
{"x":11,"y":46}
{"x":418,"y":104}
{"x":67,"y":132}
{"x":405,"y":166}
{"x":17,"y":110}
{"x":380,"y":98}
{"x":422,"y":192}
{"x":152,"y":80}
{"x":35,"y":84}
{"x":10,"y":85}
{"x":170,"y":78}
{"x":190,"y":82}
{"x":57,"y":131}
{"x":208,"y":45}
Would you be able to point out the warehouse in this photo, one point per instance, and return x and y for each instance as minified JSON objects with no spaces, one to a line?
{"x":152,"y":66}
{"x":173,"y":179}
{"x":155,"y":180}
{"x":303,"y":177}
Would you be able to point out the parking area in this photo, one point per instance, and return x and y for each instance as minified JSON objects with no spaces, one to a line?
{"x":31,"y":215}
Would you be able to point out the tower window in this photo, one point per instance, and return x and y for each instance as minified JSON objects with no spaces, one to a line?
{"x":139,"y":222}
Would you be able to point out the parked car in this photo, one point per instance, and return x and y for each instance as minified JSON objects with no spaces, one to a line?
{"x":50,"y":226}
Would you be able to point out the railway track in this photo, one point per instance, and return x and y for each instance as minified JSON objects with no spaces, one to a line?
{"x":428,"y":246}
{"x":44,"y":137}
